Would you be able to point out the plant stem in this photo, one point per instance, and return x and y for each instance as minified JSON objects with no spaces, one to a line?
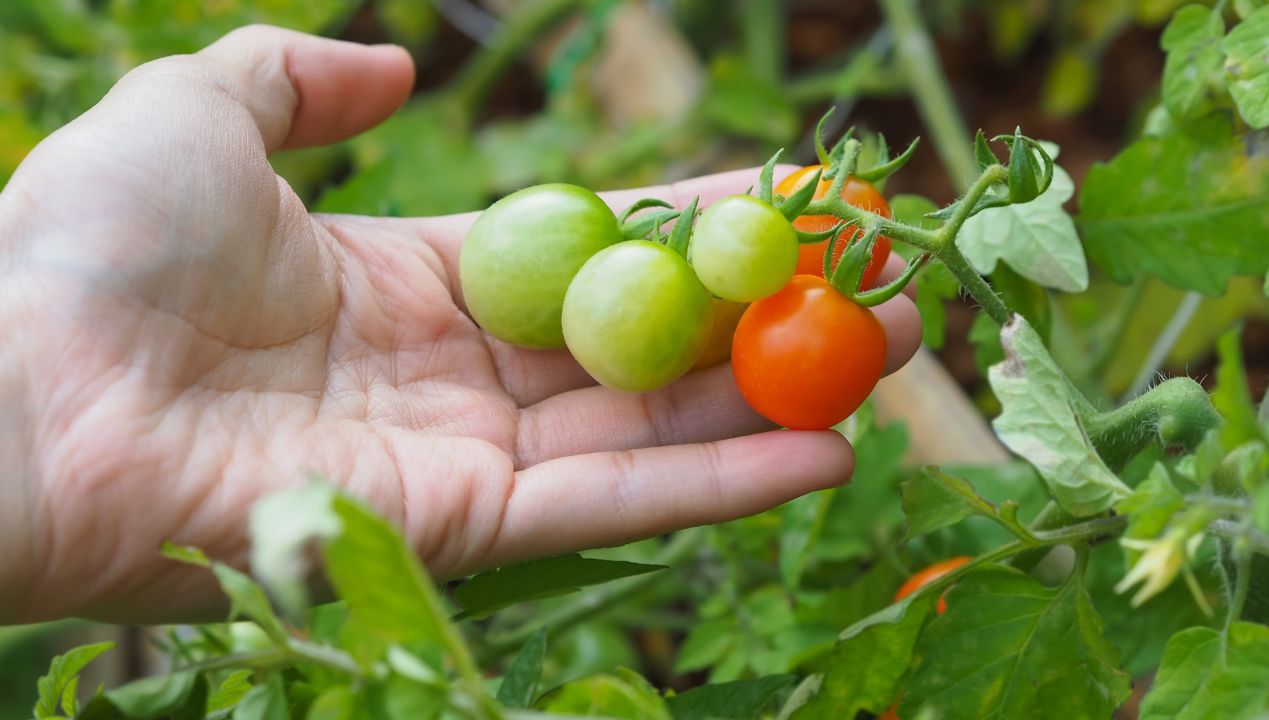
{"x":1230,"y":530}
{"x":930,"y":89}
{"x":517,"y":32}
{"x":1177,"y":411}
{"x":1242,"y":582}
{"x":1164,"y":343}
{"x":682,"y":546}
{"x":974,"y":283}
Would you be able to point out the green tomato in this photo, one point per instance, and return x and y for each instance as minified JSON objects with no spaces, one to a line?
{"x":520,"y":255}
{"x":636,"y":317}
{"x":743,"y":249}
{"x":247,"y":636}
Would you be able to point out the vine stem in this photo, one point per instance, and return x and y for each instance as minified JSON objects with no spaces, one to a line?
{"x":1230,"y":530}
{"x":516,"y":33}
{"x":930,"y":89}
{"x":1242,"y":583}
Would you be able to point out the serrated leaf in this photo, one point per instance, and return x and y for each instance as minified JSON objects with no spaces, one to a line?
{"x":491,"y":591}
{"x":1040,"y":421}
{"x":283,"y":525}
{"x":264,"y":702}
{"x":1247,"y":67}
{"x":520,"y":685}
{"x":1196,"y":681}
{"x":62,"y":671}
{"x":1192,"y":41}
{"x":933,"y":499}
{"x":1009,"y":647}
{"x":1036,"y":238}
{"x":605,"y":695}
{"x":1165,"y":201}
{"x":865,"y":667}
{"x":231,"y":690}
{"x":154,"y":697}
{"x":739,"y":700}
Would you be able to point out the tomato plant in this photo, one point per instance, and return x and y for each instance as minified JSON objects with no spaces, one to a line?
{"x":636,"y":317}
{"x":856,"y":192}
{"x":808,"y":356}
{"x":743,"y":249}
{"x":521,"y":254}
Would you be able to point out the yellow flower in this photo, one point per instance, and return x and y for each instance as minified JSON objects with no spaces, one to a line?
{"x":1160,"y":561}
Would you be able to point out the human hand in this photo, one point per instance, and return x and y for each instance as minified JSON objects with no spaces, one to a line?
{"x":182,"y":337}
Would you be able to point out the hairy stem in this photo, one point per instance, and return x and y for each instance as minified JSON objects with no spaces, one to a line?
{"x":1178,"y":412}
{"x":974,"y":283}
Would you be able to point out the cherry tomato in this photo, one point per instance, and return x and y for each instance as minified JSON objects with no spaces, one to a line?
{"x":856,"y":192}
{"x":718,"y":348}
{"x":928,"y":575}
{"x":743,"y":249}
{"x":807,"y":357}
{"x":636,"y":317}
{"x":919,"y":580}
{"x":521,"y":254}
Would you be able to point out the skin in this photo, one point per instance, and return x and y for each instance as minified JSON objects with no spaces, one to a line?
{"x":636,"y":317}
{"x":855,"y":192}
{"x":180,"y":337}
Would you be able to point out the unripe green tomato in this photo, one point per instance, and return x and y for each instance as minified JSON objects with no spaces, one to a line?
{"x":248,"y":637}
{"x":743,"y":249}
{"x":521,"y":254}
{"x":636,"y":317}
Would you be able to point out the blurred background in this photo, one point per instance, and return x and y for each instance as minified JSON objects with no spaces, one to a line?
{"x":620,"y":93}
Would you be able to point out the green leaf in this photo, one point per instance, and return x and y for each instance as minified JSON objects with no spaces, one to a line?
{"x":1192,"y":41}
{"x":866,"y":665}
{"x":264,"y":702}
{"x":388,"y":593}
{"x":62,"y":672}
{"x":1149,"y":508}
{"x":338,"y":702}
{"x":249,"y":600}
{"x":1036,"y":238}
{"x":934,"y":499}
{"x":1183,"y":208}
{"x":230,"y":692}
{"x":1196,"y":682}
{"x":283,"y":525}
{"x":706,"y":643}
{"x":408,"y":22}
{"x":740,"y":102}
{"x":401,"y":697}
{"x":154,"y":697}
{"x":520,"y":685}
{"x":801,"y":524}
{"x":606,"y":695}
{"x":1232,"y":397}
{"x":1010,"y":647}
{"x":739,"y":700}
{"x":1247,"y":67}
{"x":491,"y":591}
{"x":185,"y":554}
{"x":1041,"y":422}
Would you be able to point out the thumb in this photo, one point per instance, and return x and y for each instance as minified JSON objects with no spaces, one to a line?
{"x":304,"y":90}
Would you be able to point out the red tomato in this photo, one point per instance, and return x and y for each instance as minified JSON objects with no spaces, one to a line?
{"x":928,"y":575}
{"x":807,"y":357}
{"x":856,"y":192}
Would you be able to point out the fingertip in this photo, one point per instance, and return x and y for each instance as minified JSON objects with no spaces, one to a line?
{"x":902,"y":322}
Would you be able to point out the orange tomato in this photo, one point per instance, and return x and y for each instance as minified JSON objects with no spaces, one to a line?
{"x":856,"y":192}
{"x":928,"y":575}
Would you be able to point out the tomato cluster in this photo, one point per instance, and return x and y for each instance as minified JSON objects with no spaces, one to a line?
{"x":551,"y":266}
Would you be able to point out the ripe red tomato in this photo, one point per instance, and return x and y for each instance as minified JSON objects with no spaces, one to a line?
{"x":807,"y":357}
{"x":859,"y":193}
{"x":928,"y":575}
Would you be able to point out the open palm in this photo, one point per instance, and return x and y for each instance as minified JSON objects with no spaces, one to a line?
{"x":183,"y":336}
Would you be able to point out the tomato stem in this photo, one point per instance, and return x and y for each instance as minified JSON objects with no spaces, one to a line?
{"x":1177,"y":412}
